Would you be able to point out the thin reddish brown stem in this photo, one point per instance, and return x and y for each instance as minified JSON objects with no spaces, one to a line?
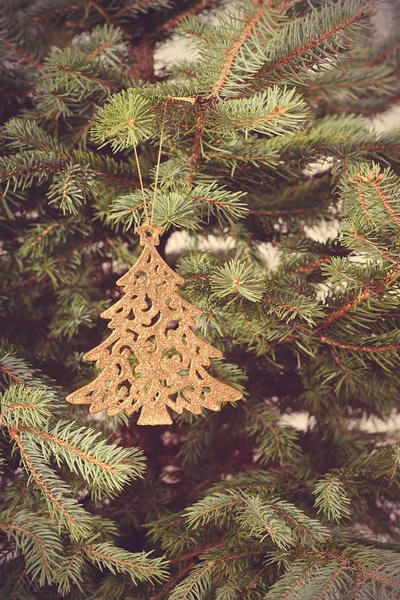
{"x":380,"y":57}
{"x":339,"y":364}
{"x":71,"y":562}
{"x":311,"y":266}
{"x":349,"y":306}
{"x":29,"y":170}
{"x":63,"y":444}
{"x":211,"y":564}
{"x":232,"y":54}
{"x":211,"y":201}
{"x":357,"y":590}
{"x":58,"y":11}
{"x":223,"y":505}
{"x":25,"y":57}
{"x":115,"y":177}
{"x":374,"y":182}
{"x":288,"y":211}
{"x":91,"y":78}
{"x":193,"y":10}
{"x":172,"y":581}
{"x":19,"y":407}
{"x":48,"y":230}
{"x":40,"y":145}
{"x":358,"y":348}
{"x":382,"y":147}
{"x":17,"y":584}
{"x":185,"y":557}
{"x":371,"y":574}
{"x":133,"y":5}
{"x":11,"y":375}
{"x":11,"y":527}
{"x":361,"y":199}
{"x":264,"y":423}
{"x":284,"y":304}
{"x":98,"y":50}
{"x":90,"y":551}
{"x":195,"y":157}
{"x":101,"y":11}
{"x":311,"y":45}
{"x":331,"y":582}
{"x":366,"y":241}
{"x":289,"y":518}
{"x":14,"y":434}
{"x":302,"y":577}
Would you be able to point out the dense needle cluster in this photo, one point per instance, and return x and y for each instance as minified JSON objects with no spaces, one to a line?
{"x":267,"y":143}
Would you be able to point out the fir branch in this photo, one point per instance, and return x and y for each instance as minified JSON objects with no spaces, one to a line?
{"x":24,"y":169}
{"x":18,"y":584}
{"x":138,"y":565}
{"x":82,"y":73}
{"x":195,"y":157}
{"x":297,"y":580}
{"x":71,"y":570}
{"x":359,"y":348}
{"x":124,"y":121}
{"x":22,"y":404}
{"x":11,"y":375}
{"x":375,"y":183}
{"x":282,"y":522}
{"x":363,"y":296}
{"x":199,"y":6}
{"x":314,"y":325}
{"x":139,"y":6}
{"x":287,"y":63}
{"x":274,"y":112}
{"x":101,"y":11}
{"x":104,"y":467}
{"x":105,"y":43}
{"x":380,"y":58}
{"x":216,"y":507}
{"x":273,"y":441}
{"x":37,"y":542}
{"x":238,"y":279}
{"x":23,"y":55}
{"x":70,"y":188}
{"x":332,"y":499}
{"x":25,"y":135}
{"x":232,"y":54}
{"x":55,"y":492}
{"x":199,"y":581}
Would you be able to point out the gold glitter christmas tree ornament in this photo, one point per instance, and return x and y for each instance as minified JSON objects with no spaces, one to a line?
{"x":152,"y":361}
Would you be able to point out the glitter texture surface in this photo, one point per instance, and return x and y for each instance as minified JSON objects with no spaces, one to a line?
{"x":152,"y":360}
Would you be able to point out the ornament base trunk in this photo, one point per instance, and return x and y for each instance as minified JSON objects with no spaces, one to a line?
{"x":154,"y":415}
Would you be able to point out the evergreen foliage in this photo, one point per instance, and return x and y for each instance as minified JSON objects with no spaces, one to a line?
{"x":267,"y":142}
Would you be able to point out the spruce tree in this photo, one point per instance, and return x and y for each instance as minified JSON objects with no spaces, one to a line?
{"x":266,"y":139}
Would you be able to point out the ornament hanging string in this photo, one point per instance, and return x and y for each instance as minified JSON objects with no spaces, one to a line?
{"x":141,"y":181}
{"x":150,"y":219}
{"x":159,"y":158}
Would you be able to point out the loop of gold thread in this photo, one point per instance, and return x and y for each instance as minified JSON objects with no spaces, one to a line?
{"x":159,"y":156}
{"x":140,"y":181}
{"x":189,"y":99}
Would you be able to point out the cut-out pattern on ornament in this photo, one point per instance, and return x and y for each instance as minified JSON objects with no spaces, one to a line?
{"x":152,"y":360}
